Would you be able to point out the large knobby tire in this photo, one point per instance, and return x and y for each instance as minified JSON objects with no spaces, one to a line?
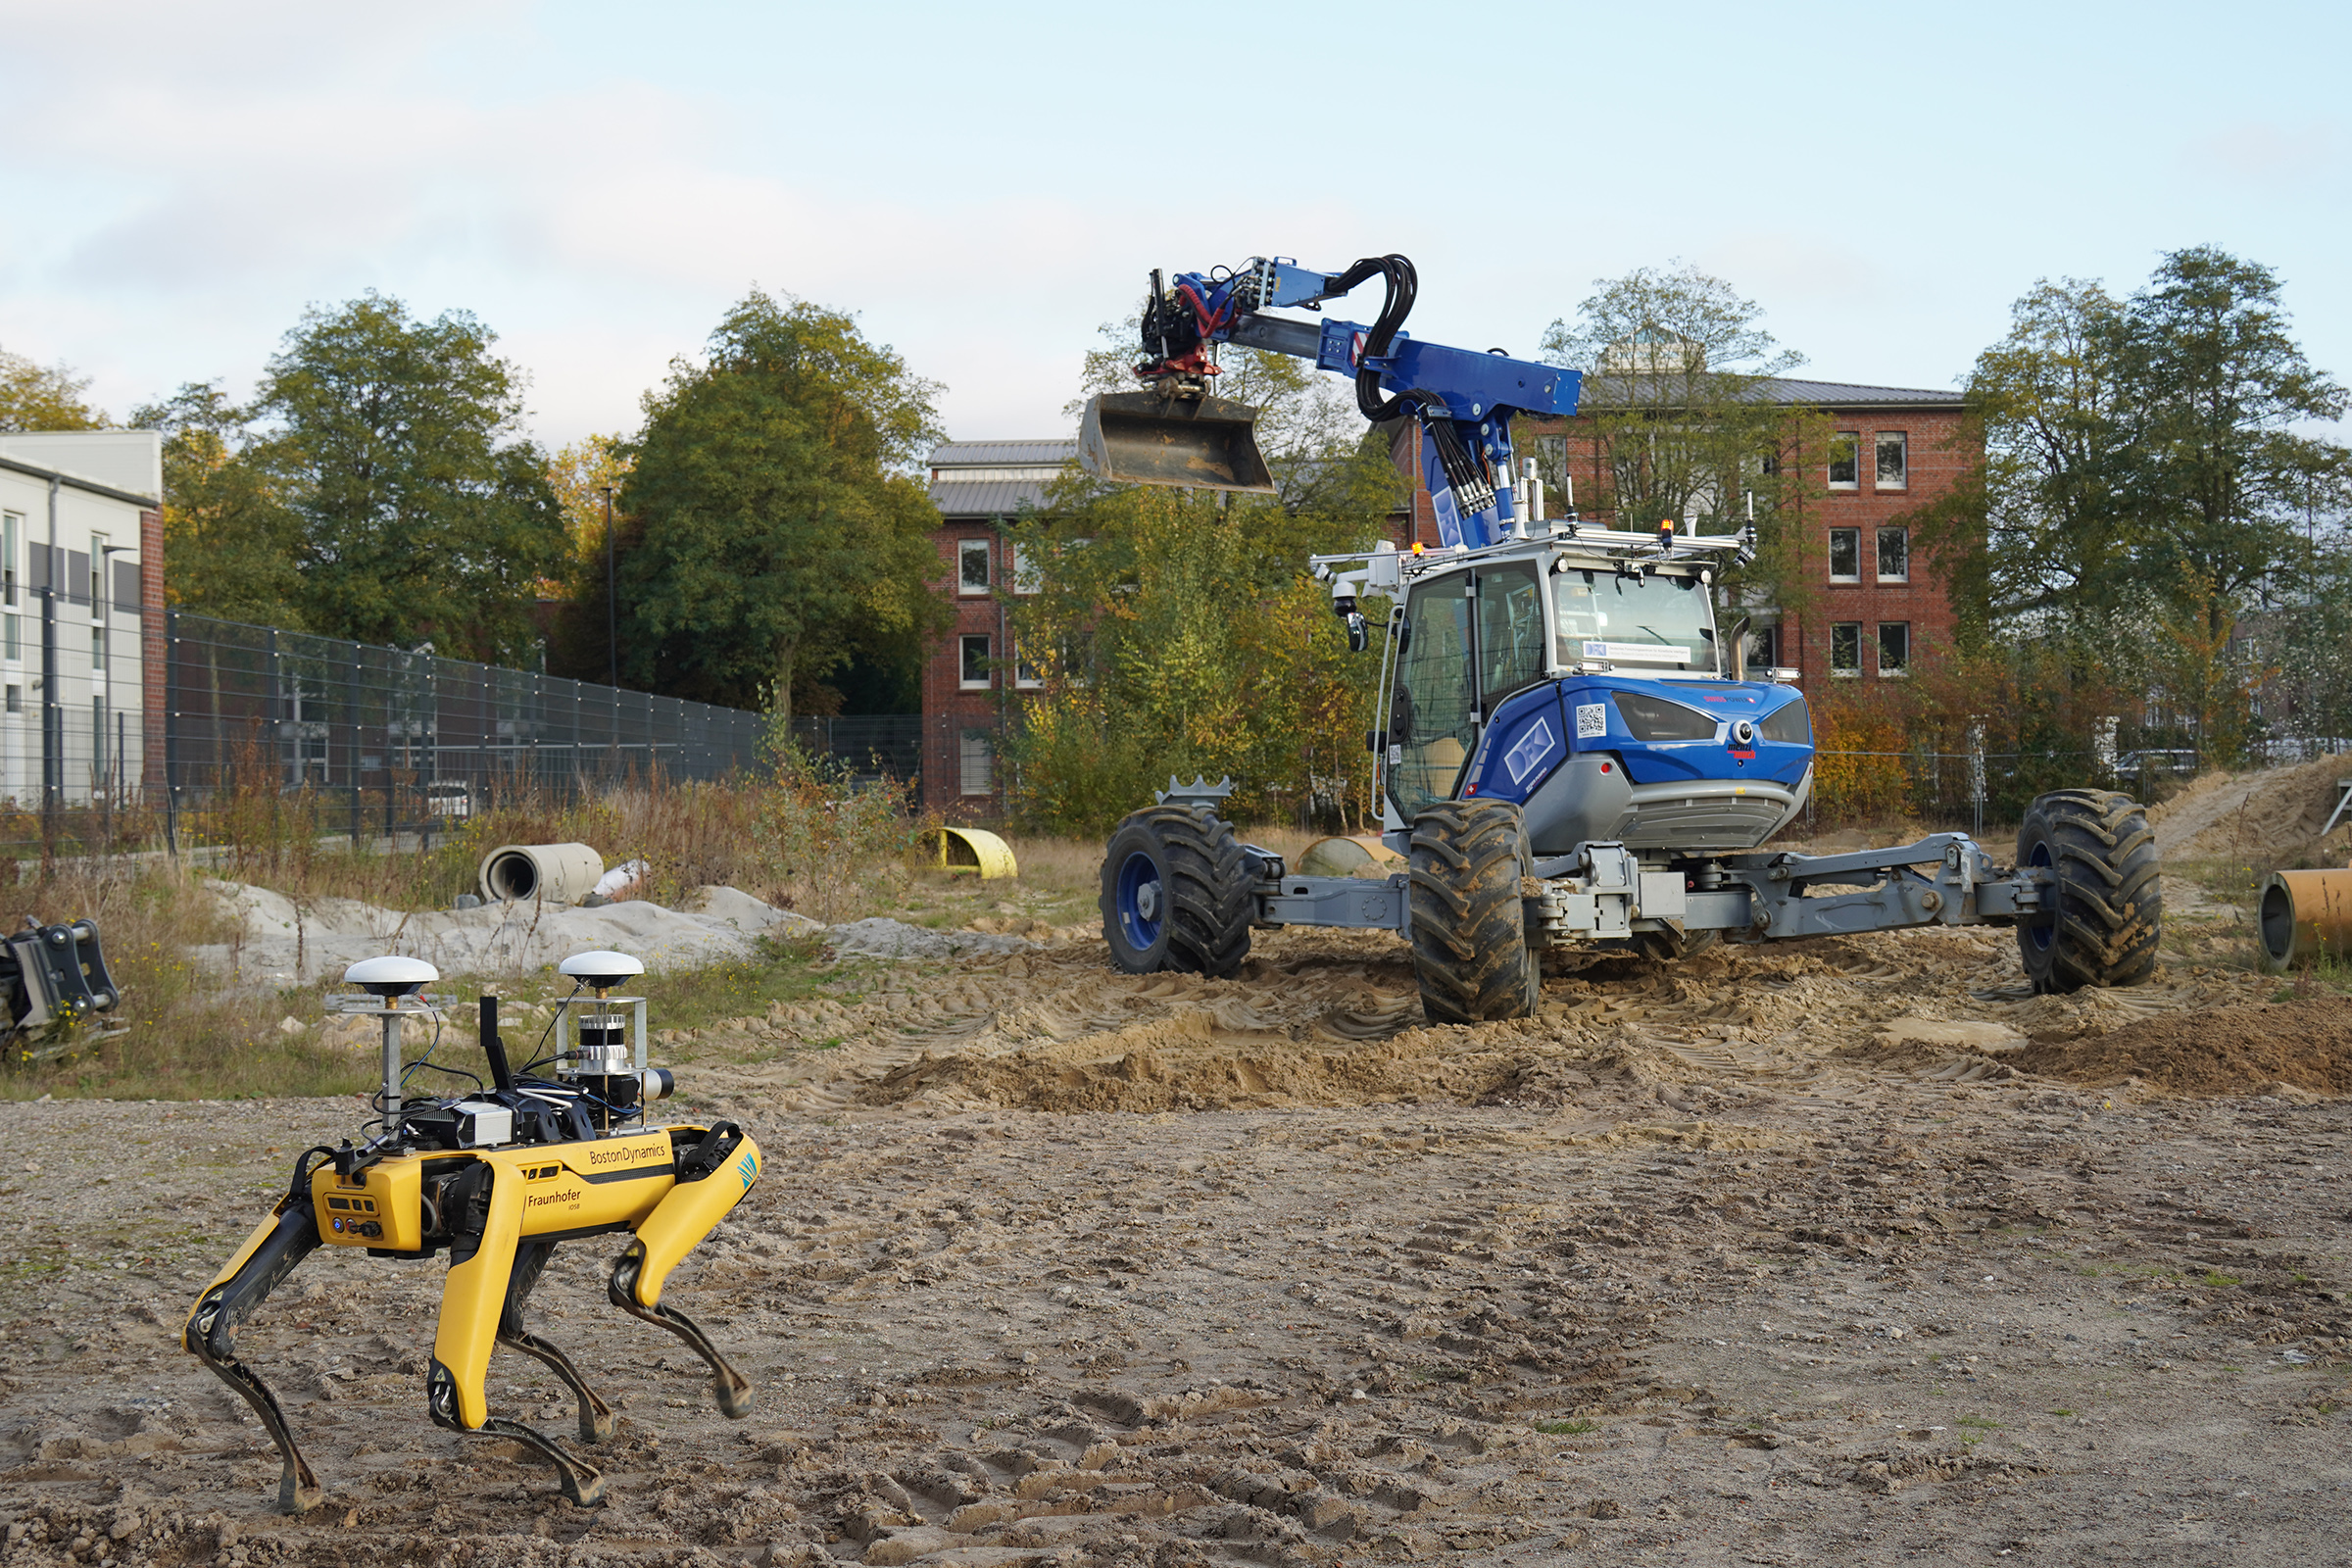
{"x":1176,"y":894}
{"x":1470,"y":951}
{"x":2108,"y":902}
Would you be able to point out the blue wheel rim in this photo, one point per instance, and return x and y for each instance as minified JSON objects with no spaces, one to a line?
{"x":1138,"y":890}
{"x":2043,"y":930}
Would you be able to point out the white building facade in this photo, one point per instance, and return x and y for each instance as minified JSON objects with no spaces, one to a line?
{"x":81,"y":635}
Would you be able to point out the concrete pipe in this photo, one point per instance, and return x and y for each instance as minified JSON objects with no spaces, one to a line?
{"x":545,"y":873}
{"x":2304,"y":915}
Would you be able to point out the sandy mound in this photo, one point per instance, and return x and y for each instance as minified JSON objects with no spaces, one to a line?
{"x":2272,"y":813}
{"x":283,"y":940}
{"x":2225,"y":1050}
{"x":1189,"y":1063}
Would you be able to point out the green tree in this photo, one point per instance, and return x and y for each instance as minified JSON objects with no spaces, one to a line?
{"x":2048,"y":525}
{"x":2222,"y":388}
{"x":423,"y":513}
{"x":43,"y":396}
{"x":230,"y":542}
{"x":1674,"y":415}
{"x":776,"y":527}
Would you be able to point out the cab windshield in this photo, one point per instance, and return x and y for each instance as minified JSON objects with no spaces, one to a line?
{"x":1599,"y":616}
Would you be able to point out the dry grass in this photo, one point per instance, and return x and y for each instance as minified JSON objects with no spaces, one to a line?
{"x":192,"y":1036}
{"x":188,"y":1036}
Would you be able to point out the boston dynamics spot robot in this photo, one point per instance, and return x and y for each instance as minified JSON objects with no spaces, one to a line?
{"x":497,"y":1176}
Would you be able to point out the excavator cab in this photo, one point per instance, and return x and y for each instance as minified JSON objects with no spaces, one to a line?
{"x":1145,"y":438}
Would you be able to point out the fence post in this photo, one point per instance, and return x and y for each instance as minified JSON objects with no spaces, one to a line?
{"x":1976,"y":774}
{"x":352,"y":711}
{"x":172,"y":733}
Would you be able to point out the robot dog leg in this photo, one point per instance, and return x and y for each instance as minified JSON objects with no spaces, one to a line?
{"x":711,"y":1178}
{"x":596,"y":1418}
{"x":288,"y":1236}
{"x":475,"y":1306}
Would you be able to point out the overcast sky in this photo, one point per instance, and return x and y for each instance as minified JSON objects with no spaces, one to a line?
{"x":985,"y":186}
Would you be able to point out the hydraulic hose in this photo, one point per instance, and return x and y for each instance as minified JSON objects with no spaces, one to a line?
{"x":1465,"y":472}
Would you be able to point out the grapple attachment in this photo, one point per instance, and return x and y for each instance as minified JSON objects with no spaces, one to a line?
{"x":1144,"y":438}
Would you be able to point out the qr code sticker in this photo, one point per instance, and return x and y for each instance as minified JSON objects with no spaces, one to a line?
{"x":1592,"y":718}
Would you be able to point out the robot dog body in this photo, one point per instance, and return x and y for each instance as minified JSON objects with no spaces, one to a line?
{"x":500,"y":1211}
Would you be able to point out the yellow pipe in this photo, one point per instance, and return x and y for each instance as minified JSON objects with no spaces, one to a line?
{"x":2302,"y":915}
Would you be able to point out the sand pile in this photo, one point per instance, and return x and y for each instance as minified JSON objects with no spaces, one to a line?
{"x":2270,"y":815}
{"x":284,"y":942}
{"x":1188,"y":1063}
{"x":2224,"y":1051}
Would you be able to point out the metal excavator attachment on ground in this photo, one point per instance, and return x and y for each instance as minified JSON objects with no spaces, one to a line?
{"x":499,"y":1177}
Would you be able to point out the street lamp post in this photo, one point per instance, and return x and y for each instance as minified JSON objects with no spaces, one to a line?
{"x":612,"y":601}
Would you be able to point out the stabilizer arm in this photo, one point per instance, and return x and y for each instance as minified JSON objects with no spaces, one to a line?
{"x":714,"y":1174}
{"x":269,"y":1255}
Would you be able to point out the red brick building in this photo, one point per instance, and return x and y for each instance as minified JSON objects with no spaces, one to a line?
{"x":972,"y":674}
{"x":1874,"y":606}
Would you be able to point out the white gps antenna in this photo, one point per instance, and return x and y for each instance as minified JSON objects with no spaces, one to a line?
{"x":388,"y":979}
{"x":600,"y":970}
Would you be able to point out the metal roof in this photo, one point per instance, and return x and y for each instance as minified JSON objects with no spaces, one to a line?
{"x":1002,"y":453}
{"x":986,"y":498}
{"x":1610,"y":391}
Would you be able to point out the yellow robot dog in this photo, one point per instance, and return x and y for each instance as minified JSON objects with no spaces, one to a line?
{"x":498,"y":1176}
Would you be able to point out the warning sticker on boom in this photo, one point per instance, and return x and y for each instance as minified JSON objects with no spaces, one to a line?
{"x":1592,"y":719}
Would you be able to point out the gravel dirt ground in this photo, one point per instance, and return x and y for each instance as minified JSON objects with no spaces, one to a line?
{"x":1846,"y":1250}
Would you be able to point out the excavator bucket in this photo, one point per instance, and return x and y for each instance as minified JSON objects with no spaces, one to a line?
{"x":1143,"y":438}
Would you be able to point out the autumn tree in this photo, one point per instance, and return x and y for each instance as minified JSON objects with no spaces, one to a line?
{"x":1179,"y":631}
{"x":778,"y":523}
{"x":43,"y":396}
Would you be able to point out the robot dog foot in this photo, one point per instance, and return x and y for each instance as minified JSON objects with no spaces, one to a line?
{"x":269,"y":1255}
{"x":581,"y":1483}
{"x":729,"y":1387}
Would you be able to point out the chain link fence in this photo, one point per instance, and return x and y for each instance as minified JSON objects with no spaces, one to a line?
{"x":388,"y":740}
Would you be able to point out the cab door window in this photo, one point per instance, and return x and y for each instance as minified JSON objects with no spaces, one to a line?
{"x":1429,"y":706}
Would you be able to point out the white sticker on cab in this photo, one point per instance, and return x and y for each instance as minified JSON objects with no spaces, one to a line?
{"x":1592,"y":719}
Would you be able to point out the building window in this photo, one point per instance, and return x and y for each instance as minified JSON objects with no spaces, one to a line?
{"x":1764,"y":648}
{"x":1024,"y":673}
{"x":1845,"y":460}
{"x":1894,"y":647}
{"x":1845,"y":648}
{"x":1894,"y":466}
{"x":1026,"y":578}
{"x":16,"y":699}
{"x":971,"y":566}
{"x":11,"y":529}
{"x":1845,"y":555}
{"x":12,"y":636}
{"x":1894,"y":555}
{"x":98,"y":655}
{"x":97,"y":573}
{"x":973,"y":676}
{"x":978,"y":763}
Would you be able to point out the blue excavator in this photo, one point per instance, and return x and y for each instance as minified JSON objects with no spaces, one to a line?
{"x":1571,"y":756}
